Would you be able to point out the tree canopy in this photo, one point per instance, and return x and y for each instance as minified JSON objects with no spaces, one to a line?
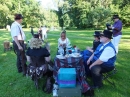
{"x":81,"y":14}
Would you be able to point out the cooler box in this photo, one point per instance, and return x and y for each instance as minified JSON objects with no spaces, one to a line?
{"x":70,"y":92}
{"x":67,"y":77}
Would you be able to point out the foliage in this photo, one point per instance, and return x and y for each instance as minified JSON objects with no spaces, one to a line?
{"x":81,"y":14}
{"x":93,"y":13}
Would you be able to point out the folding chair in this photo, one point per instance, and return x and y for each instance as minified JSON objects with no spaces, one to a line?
{"x":109,"y":74}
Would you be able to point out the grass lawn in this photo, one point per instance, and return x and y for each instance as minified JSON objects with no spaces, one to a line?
{"x":13,"y":84}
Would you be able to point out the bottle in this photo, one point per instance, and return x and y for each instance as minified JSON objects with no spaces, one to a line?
{"x":64,"y":51}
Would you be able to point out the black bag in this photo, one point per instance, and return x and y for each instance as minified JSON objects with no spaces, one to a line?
{"x":90,"y":93}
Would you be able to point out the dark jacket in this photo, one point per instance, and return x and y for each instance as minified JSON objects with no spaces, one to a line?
{"x":38,"y":55}
{"x":95,"y":44}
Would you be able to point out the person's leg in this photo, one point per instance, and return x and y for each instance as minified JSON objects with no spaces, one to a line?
{"x":96,"y":75}
{"x":18,"y":63}
{"x":97,"y":71}
{"x":115,"y":42}
{"x":86,"y":55}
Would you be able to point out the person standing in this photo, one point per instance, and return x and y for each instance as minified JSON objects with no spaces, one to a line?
{"x":116,"y":29}
{"x":18,"y":38}
{"x":44,"y":32}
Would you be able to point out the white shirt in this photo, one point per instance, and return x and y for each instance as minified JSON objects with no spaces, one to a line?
{"x":15,"y":31}
{"x":66,"y":41}
{"x":107,"y":53}
{"x":44,"y":30}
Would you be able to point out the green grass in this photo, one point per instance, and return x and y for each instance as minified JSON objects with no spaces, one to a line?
{"x":13,"y":84}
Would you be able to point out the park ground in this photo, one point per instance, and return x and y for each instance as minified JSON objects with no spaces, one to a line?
{"x":13,"y":84}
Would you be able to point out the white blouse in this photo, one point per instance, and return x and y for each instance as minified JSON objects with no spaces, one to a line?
{"x":66,"y":41}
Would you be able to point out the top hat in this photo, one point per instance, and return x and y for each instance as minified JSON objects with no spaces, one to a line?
{"x":107,"y":33}
{"x":115,"y":17}
{"x":96,"y":33}
{"x":18,"y":16}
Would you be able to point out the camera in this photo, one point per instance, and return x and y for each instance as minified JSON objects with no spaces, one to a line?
{"x":108,"y":25}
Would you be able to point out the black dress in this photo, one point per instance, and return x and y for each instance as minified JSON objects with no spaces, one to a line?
{"x":38,"y":55}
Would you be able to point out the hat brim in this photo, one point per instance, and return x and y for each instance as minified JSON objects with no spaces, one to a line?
{"x":106,"y":36}
{"x":115,"y":18}
{"x":96,"y":35}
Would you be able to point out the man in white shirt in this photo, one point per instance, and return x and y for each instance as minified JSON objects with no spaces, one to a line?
{"x":103,"y":59}
{"x":18,"y":38}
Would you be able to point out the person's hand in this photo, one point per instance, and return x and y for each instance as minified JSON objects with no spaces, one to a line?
{"x":60,"y":44}
{"x":90,"y":67}
{"x":64,"y":45}
{"x":20,"y":48}
{"x":87,"y":48}
{"x":88,"y":62}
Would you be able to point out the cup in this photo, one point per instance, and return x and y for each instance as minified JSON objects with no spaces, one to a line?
{"x":70,"y":51}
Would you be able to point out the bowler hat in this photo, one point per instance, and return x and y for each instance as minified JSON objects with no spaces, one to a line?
{"x":96,"y":33}
{"x":115,"y":17}
{"x":107,"y":33}
{"x":18,"y":16}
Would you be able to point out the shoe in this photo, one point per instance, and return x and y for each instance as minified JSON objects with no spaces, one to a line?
{"x":90,"y":92}
{"x":55,"y":93}
{"x":55,"y":86}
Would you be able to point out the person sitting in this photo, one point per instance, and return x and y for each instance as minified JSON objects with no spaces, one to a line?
{"x":63,"y":41}
{"x":39,"y":58}
{"x":103,"y":59}
{"x":89,"y":51}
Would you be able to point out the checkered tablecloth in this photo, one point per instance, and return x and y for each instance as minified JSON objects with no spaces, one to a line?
{"x":72,"y":62}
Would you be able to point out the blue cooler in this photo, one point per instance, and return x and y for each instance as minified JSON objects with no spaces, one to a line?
{"x":67,"y":77}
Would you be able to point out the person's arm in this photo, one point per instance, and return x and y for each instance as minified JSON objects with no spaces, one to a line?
{"x":97,"y":62}
{"x":59,"y":43}
{"x":105,"y":56}
{"x":28,"y":59}
{"x":90,"y":49}
{"x":117,"y":27}
{"x":68,"y":42}
{"x":17,"y":42}
{"x":47,"y":55}
{"x":90,"y":58}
